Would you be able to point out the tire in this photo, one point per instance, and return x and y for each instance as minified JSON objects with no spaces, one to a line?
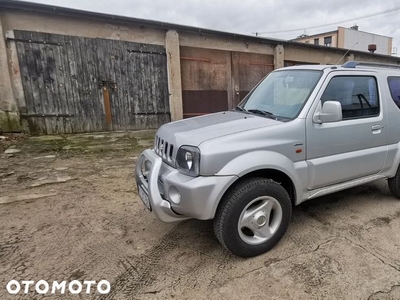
{"x":394,"y":184}
{"x":253,"y":217}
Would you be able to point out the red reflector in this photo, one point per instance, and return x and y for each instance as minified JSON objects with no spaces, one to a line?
{"x":299,"y":150}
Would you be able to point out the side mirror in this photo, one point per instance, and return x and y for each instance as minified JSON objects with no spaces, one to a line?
{"x":331,"y":112}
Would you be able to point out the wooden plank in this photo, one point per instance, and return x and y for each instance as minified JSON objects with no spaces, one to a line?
{"x":93,"y":84}
{"x":129,"y":90}
{"x":153,"y":92}
{"x":54,"y":125}
{"x":74,"y":96}
{"x":115,"y":76}
{"x":49,"y":73}
{"x":26,"y":85}
{"x":122,"y":84}
{"x":106,"y":66}
{"x":35,"y":61}
{"x":101,"y":75}
{"x":64,"y":124}
{"x":133,"y":91}
{"x":84,"y":82}
{"x":41,"y":100}
{"x":114,"y":85}
{"x":111,"y":78}
{"x":75,"y":68}
{"x":60,"y":124}
{"x":67,"y":86}
{"x":141,"y":88}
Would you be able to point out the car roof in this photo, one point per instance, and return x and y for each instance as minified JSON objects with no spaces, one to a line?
{"x":349,"y":66}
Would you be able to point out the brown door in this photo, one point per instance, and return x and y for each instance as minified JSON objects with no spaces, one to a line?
{"x":204,"y":80}
{"x":247,"y":70}
{"x":216,"y":80}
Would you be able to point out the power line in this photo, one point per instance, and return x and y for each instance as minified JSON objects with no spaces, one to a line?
{"x":334,"y":23}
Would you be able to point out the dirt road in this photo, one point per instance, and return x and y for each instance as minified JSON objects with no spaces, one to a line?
{"x":73,"y":213}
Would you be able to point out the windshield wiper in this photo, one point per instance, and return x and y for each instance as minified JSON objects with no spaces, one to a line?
{"x":263,"y":112}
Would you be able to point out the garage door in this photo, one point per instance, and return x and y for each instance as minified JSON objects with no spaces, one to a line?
{"x":75,"y":84}
{"x":216,"y":80}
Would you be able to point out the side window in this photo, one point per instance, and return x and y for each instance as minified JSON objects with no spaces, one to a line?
{"x":394,"y":87}
{"x":358,"y":95}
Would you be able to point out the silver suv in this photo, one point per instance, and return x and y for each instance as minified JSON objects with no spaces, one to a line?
{"x":301,"y":133}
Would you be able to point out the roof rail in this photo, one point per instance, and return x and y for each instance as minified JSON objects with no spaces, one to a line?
{"x":354,"y":64}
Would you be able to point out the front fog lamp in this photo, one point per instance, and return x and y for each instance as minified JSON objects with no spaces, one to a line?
{"x":146,"y":167}
{"x":188,"y":160}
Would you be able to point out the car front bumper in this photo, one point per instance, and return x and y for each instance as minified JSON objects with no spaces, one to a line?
{"x":174,"y":196}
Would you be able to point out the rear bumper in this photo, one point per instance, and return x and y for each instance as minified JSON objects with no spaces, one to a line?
{"x":174,"y":196}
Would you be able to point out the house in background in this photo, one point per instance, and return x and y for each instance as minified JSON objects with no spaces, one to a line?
{"x":351,"y":38}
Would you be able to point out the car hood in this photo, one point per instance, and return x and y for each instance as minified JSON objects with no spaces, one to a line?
{"x":196,"y":130}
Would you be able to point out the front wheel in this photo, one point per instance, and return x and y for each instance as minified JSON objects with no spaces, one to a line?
{"x":253,"y":217}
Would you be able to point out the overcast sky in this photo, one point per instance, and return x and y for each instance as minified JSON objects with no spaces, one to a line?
{"x":250,"y":16}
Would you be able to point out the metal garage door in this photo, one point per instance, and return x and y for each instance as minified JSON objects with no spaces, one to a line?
{"x":205,"y":74}
{"x":247,"y":70}
{"x":76,"y":84}
{"x":215,"y":80}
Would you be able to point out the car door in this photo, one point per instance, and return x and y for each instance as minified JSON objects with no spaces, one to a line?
{"x":355,"y":146}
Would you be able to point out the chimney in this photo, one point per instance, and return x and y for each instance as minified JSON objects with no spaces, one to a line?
{"x":372,"y":48}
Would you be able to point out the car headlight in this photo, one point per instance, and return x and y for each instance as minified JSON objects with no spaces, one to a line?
{"x":188,"y":160}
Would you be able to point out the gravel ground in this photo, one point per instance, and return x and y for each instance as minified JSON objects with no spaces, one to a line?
{"x":72,"y":213}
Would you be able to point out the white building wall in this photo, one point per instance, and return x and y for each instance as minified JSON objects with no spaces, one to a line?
{"x":359,"y":40}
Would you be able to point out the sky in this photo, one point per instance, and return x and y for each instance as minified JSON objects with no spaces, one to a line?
{"x":251,"y":16}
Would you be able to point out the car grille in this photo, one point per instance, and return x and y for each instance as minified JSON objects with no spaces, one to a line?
{"x":165,"y":150}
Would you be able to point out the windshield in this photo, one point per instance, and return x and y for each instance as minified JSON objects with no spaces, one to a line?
{"x":282,"y":94}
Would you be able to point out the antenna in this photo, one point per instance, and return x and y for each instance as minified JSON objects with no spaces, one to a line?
{"x":344,"y":55}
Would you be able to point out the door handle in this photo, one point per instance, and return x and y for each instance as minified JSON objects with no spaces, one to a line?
{"x":376,"y":127}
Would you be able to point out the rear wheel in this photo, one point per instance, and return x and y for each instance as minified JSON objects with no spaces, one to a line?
{"x":394,"y":184}
{"x":253,"y":217}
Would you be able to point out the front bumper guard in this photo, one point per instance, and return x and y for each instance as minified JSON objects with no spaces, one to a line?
{"x":161,"y":207}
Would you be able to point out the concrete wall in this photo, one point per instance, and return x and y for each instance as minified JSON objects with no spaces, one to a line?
{"x":9,"y":116}
{"x":359,"y":40}
{"x":59,"y":24}
{"x":173,"y":37}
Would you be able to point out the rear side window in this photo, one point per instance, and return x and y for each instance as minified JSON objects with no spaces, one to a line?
{"x":358,"y":96}
{"x":394,"y":87}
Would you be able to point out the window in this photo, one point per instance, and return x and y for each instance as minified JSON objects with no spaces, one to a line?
{"x":358,"y":95}
{"x":316,"y":41}
{"x":394,"y":87}
{"x":328,"y":41}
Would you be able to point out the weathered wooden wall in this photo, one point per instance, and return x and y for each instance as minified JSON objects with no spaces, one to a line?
{"x":76,"y":84}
